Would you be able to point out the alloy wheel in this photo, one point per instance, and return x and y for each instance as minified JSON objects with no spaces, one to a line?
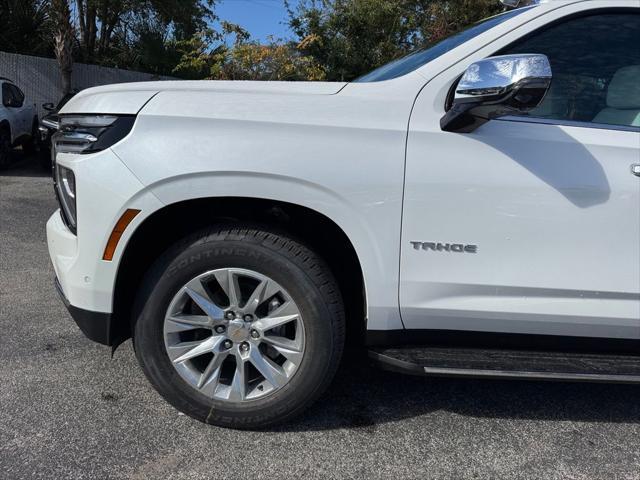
{"x":234,"y":335}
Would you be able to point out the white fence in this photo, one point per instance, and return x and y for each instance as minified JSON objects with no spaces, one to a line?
{"x":39,"y":78}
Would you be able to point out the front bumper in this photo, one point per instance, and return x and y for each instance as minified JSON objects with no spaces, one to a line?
{"x":96,"y":326}
{"x":105,"y":188}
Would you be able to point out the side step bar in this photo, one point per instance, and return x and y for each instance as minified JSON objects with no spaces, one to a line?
{"x":509,"y":364}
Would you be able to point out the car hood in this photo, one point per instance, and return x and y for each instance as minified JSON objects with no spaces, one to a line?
{"x":129,"y":98}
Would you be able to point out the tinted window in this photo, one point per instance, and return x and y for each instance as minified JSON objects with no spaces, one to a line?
{"x":419,"y":58}
{"x":7,"y":93}
{"x":17,"y":94}
{"x":596,"y":69}
{"x":64,"y":100}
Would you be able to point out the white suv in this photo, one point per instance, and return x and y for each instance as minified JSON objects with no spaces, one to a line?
{"x":18,"y":121}
{"x":472,"y":209}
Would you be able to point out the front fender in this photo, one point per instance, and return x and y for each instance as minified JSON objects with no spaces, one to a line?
{"x":380,"y":286}
{"x":337,"y":155}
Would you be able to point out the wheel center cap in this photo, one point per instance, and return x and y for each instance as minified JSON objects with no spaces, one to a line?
{"x":237,"y":331}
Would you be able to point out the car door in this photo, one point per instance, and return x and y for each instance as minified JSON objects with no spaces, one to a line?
{"x":11,"y":113}
{"x":22,"y":111}
{"x":532,"y":224}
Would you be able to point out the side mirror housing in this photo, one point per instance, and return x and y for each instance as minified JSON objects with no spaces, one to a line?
{"x":495,"y":87}
{"x":49,"y":107}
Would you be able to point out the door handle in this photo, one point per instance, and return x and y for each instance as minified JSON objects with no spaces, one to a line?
{"x":635,"y":169}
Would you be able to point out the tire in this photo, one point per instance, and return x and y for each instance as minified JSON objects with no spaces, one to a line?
{"x":29,"y":146}
{"x":5,"y":147}
{"x":274,"y":260}
{"x":44,"y":156}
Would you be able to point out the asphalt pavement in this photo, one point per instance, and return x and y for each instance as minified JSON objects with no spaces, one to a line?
{"x":69,"y":410}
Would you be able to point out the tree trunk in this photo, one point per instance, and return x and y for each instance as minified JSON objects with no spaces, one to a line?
{"x":63,"y":41}
{"x":81,"y":22}
{"x":86,"y":12}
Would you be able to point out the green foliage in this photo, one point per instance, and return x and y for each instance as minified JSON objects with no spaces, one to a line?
{"x":273,"y":61}
{"x":197,"y":60}
{"x":245,"y":60}
{"x":139,"y":34}
{"x":187,"y":17}
{"x":336,"y":39}
{"x":25,"y":27}
{"x":351,"y":37}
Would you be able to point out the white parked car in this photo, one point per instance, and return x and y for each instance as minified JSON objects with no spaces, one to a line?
{"x":472,"y":209}
{"x":18,"y":121}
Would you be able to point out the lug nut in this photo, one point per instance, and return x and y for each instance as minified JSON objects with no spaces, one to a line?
{"x":244,"y":346}
{"x":229,"y":315}
{"x":248,"y":318}
{"x":220,"y":329}
{"x":227,"y":344}
{"x":255,"y":334}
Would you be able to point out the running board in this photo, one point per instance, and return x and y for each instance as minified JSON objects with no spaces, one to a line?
{"x":509,"y":364}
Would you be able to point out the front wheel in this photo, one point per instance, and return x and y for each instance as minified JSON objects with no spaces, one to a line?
{"x":240,"y":327}
{"x":5,"y":147}
{"x":29,"y":145}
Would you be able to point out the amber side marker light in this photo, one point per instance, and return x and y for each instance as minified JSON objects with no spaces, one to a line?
{"x":117,"y":232}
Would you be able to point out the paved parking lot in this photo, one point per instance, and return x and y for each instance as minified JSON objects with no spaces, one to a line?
{"x":68,"y":410}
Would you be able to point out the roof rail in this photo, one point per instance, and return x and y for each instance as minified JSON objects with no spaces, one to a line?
{"x":521,"y":3}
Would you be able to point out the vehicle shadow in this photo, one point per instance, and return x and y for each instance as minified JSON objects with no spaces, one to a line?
{"x":557,"y":159}
{"x":362,"y":397}
{"x":21,"y":165}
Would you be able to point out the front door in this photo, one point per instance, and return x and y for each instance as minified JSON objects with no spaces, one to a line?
{"x":15,"y":110}
{"x":532,"y":225}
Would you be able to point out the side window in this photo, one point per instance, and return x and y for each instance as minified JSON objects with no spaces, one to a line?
{"x":17,"y":94}
{"x":7,"y":94}
{"x":596,"y":69}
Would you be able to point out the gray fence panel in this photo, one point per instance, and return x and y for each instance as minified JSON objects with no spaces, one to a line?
{"x":39,"y":78}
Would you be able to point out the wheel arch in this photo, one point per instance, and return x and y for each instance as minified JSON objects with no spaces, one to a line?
{"x":169,"y":224}
{"x":4,"y":124}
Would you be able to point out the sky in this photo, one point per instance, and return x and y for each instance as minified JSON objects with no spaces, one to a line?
{"x":260,"y":17}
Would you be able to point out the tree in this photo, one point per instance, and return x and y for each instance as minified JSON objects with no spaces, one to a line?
{"x":336,"y":39}
{"x":446,"y":17}
{"x":245,"y":60}
{"x":107,"y":26}
{"x":351,"y":37}
{"x":272,"y":61}
{"x":25,"y":27}
{"x":197,"y":58}
{"x":63,"y":38}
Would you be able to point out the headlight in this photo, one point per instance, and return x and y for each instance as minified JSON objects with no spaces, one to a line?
{"x":66,"y":190}
{"x":82,"y":134}
{"x":90,"y":133}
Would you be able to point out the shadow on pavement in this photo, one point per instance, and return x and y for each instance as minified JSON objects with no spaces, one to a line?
{"x":21,"y":165}
{"x":362,"y":397}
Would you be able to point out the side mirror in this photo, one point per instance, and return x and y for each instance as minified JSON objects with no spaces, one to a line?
{"x":495,"y":87}
{"x":49,"y":107}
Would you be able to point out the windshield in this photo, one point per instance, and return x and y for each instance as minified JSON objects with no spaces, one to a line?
{"x":417,"y":59}
{"x":64,"y":100}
